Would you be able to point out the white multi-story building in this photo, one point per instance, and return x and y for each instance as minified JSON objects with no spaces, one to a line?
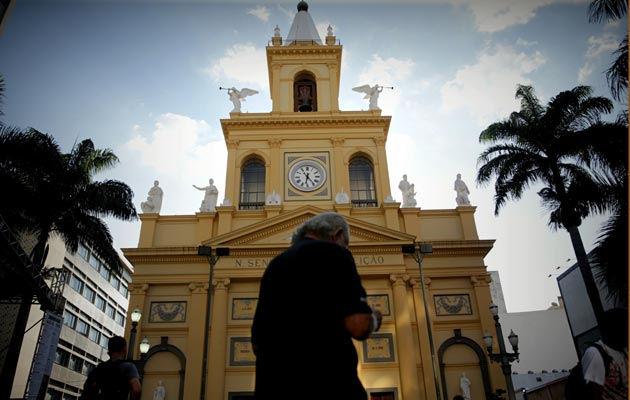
{"x":95,"y":309}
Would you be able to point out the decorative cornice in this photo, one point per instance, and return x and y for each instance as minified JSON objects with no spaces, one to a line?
{"x":301,"y":50}
{"x":327,"y":121}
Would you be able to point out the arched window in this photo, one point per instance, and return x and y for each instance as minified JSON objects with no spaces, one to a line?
{"x":362,"y":188}
{"x":304,"y":92}
{"x":252,"y":185}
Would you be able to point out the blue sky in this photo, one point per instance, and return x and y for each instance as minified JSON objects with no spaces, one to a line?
{"x":142,"y":77}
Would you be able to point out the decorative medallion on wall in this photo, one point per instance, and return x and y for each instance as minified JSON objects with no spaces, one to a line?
{"x":379,"y":348}
{"x":452,"y":304}
{"x":168,"y":311}
{"x":379,"y":302}
{"x":241,"y":352}
{"x":244,"y":308}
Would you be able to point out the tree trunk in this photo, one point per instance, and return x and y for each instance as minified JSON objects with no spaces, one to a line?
{"x":587,"y":273}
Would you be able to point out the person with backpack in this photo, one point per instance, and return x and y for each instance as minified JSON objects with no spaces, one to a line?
{"x":114,"y":379}
{"x":606,"y":372}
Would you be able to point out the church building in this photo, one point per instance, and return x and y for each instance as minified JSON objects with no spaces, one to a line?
{"x":197,"y":276}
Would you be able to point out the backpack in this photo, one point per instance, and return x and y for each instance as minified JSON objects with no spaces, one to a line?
{"x":575,"y":385}
{"x":106,"y":382}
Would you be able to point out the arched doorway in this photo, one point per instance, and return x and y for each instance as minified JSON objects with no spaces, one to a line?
{"x":461,"y":354}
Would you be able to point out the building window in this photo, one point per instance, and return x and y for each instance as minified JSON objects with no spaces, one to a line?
{"x":76,"y":363}
{"x":89,"y":293}
{"x":69,"y":319}
{"x":120,"y":319}
{"x":111,"y":311}
{"x":252,"y":185}
{"x":362,"y":187}
{"x":94,"y":262}
{"x":114,"y":281}
{"x":104,"y":271}
{"x":104,"y":340}
{"x":304,"y":92}
{"x":83,"y":327}
{"x":94,"y":335}
{"x":100,"y":303}
{"x":62,"y":357}
{"x":52,"y":394}
{"x":76,"y":283}
{"x":84,"y":252}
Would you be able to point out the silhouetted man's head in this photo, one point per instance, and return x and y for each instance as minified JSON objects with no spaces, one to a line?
{"x":116,"y":344}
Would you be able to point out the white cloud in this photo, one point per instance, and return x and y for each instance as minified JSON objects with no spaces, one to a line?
{"x":486,"y":89}
{"x":174,"y":145}
{"x":386,"y":72}
{"x":496,"y":15}
{"x":525,"y":43}
{"x":260,"y":12}
{"x":179,"y":152}
{"x":242,"y":63}
{"x":606,"y":43}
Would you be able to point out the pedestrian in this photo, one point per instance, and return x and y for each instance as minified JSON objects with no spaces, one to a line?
{"x":114,"y":379}
{"x":310,"y":306}
{"x":608,"y":379}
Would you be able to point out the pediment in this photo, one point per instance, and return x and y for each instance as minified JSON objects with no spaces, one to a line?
{"x":277,"y":232}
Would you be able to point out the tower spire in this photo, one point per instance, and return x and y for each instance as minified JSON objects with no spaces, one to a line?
{"x":303,"y":29}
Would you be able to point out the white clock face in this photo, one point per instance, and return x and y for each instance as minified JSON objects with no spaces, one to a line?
{"x":307,"y":175}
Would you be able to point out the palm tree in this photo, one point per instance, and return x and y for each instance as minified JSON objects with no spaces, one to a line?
{"x":54,"y":193}
{"x":550,"y":145}
{"x":617,"y":73}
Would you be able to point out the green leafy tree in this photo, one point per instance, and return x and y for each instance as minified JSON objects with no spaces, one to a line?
{"x":551,"y":145}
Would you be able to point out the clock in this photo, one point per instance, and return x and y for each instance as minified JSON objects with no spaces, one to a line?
{"x":307,"y":175}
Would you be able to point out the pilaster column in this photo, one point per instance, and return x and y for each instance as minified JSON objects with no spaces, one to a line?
{"x":382,"y":175}
{"x":423,"y":337}
{"x":137,"y":299}
{"x":274,"y":179}
{"x":218,"y":342}
{"x":481,"y":286}
{"x":196,"y":322}
{"x":404,"y":338}
{"x":233,"y":170}
{"x":338,"y":164}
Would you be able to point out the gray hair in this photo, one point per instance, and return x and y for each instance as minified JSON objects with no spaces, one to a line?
{"x":323,"y":226}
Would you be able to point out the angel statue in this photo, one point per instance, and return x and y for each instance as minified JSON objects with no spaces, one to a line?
{"x":237,"y":95}
{"x":372,"y":93}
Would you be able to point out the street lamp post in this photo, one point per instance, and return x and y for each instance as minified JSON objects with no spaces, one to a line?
{"x":417,"y":252}
{"x":212,"y":260}
{"x":503,"y":356}
{"x":136,"y":315}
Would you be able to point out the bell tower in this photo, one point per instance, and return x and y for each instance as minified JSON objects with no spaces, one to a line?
{"x":305,"y":150}
{"x":304,"y":72}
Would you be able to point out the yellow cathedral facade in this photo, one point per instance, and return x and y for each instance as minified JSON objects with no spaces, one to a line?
{"x":197,"y":276}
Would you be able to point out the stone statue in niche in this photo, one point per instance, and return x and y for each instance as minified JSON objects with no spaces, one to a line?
{"x":160,"y":392}
{"x":464,"y":386}
{"x":154,"y":199}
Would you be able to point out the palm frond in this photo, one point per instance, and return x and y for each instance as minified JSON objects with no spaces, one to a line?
{"x":607,"y":10}
{"x":617,"y":73}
